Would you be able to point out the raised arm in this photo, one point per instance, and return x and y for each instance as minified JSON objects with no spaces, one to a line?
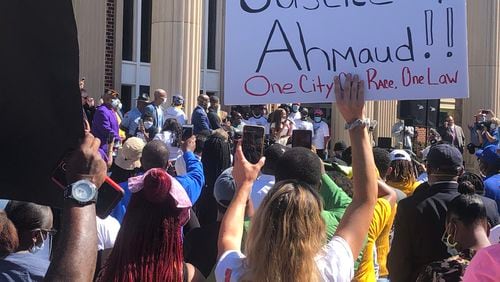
{"x":354,"y":225}
{"x":231,"y":229}
{"x":76,"y":253}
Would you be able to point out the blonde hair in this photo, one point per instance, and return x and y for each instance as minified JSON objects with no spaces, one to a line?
{"x":287,"y":233}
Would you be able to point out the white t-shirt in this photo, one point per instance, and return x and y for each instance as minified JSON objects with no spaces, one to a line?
{"x":174,"y":112}
{"x":294,"y":116}
{"x":260,"y":188}
{"x":262,"y":121}
{"x":335,"y":263}
{"x":168,"y":138}
{"x":320,"y":134}
{"x":303,"y":125}
{"x":107,"y":230}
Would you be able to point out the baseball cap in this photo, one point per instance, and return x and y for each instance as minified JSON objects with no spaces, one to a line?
{"x":143,"y":97}
{"x":489,"y":155}
{"x":129,"y":155}
{"x":318,"y":112}
{"x":273,"y":153}
{"x":444,"y":155}
{"x":224,"y":188}
{"x":396,"y":155}
{"x":339,"y":146}
{"x":177,"y":100}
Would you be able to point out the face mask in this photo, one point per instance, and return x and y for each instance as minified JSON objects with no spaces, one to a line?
{"x":295,"y":108}
{"x":493,"y":126}
{"x":164,"y":100}
{"x":317,"y":119}
{"x":115,"y":103}
{"x":148,"y":124}
{"x":120,"y":106}
{"x":35,"y":248}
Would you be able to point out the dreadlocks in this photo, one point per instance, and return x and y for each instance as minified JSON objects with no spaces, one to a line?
{"x":402,"y":172}
{"x":216,"y":158}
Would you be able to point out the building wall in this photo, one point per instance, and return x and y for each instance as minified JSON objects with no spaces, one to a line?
{"x":90,"y":18}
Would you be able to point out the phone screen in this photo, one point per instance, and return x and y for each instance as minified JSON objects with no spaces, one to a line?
{"x":302,"y":138}
{"x":187,"y":132}
{"x":253,"y":143}
{"x":110,"y":194}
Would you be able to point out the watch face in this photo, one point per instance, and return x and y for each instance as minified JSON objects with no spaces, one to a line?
{"x":83,"y":192}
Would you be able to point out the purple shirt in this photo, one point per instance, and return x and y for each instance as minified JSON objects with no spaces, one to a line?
{"x":105,"y":123}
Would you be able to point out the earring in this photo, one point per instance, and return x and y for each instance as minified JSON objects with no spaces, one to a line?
{"x":449,"y":243}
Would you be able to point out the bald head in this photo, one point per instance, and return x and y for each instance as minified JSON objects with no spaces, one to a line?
{"x":155,"y":155}
{"x":203,"y":101}
{"x":160,"y":97}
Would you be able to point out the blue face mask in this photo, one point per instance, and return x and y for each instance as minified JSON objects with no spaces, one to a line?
{"x":295,"y":108}
{"x":317,"y":119}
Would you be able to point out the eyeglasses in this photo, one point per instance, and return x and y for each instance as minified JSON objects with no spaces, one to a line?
{"x":45,"y":232}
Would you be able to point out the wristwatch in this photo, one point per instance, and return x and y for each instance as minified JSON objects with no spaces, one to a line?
{"x":83,"y":192}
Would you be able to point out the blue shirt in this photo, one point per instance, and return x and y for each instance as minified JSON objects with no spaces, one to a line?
{"x":492,"y":188}
{"x":193,"y":181}
{"x":131,"y":120}
{"x":23,"y":267}
{"x":200,"y":121}
{"x":157,"y":113}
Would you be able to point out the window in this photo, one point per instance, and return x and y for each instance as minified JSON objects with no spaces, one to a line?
{"x":146,"y":31}
{"x":128,"y":30}
{"x":212,"y":31}
{"x":126,"y":97}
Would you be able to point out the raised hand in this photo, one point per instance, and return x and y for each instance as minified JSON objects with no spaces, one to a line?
{"x":350,"y":98}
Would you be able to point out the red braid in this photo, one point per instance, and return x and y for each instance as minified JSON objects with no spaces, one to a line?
{"x":149,"y":244}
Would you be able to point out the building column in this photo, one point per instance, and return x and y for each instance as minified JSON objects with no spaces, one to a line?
{"x":484,"y":64}
{"x":176,"y":48}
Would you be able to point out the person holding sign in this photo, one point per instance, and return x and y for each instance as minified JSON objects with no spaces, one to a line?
{"x":292,"y":208}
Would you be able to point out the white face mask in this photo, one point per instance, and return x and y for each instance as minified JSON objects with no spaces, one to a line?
{"x":493,"y":126}
{"x":164,"y":100}
{"x":148,"y":124}
{"x":115,"y":103}
{"x":120,"y":106}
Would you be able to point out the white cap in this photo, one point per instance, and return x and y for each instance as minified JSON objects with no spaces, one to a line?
{"x":400,"y":155}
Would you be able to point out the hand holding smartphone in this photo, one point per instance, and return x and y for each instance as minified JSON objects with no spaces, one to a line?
{"x":253,"y":143}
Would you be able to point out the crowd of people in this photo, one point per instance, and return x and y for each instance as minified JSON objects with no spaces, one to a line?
{"x":195,"y":209}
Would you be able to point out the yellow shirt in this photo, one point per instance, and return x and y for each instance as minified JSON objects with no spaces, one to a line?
{"x":406,"y":188}
{"x":122,"y":134}
{"x":383,"y":245}
{"x":380,"y":222}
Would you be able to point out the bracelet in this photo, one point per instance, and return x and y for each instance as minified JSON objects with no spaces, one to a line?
{"x":359,"y":122}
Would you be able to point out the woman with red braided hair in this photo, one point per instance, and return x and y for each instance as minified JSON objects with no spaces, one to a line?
{"x":149,"y":244}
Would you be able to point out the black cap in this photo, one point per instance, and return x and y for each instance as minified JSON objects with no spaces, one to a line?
{"x":340,"y":146}
{"x":273,"y":153}
{"x":143,"y":97}
{"x":444,"y":156}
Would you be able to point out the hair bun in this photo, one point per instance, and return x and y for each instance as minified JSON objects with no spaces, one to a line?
{"x":157,"y":186}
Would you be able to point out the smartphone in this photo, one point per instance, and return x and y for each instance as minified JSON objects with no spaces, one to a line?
{"x":253,"y":142}
{"x":187,"y":131}
{"x":110,"y":193}
{"x":302,"y":138}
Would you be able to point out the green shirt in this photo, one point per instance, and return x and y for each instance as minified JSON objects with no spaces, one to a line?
{"x":335,"y":202}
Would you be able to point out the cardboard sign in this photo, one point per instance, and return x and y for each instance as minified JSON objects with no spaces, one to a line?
{"x":40,"y":104}
{"x":283,"y":51}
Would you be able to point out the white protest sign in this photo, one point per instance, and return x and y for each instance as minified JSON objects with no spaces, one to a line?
{"x":283,"y":51}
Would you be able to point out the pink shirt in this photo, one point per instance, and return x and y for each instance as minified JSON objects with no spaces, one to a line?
{"x":485,"y":266}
